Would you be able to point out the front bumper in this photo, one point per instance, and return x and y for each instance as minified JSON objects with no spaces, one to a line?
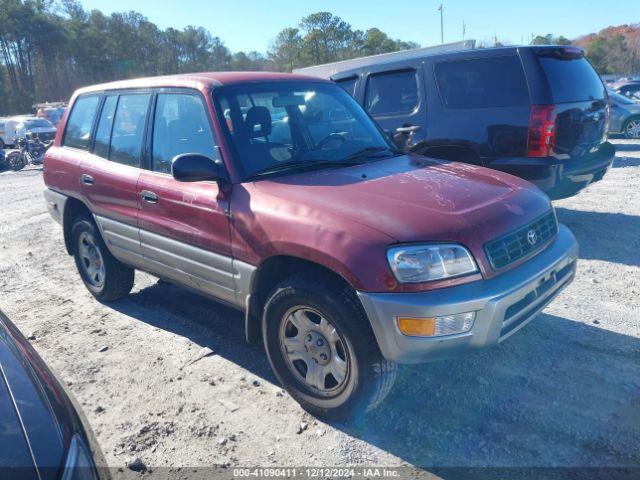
{"x":503,"y":305}
{"x":559,"y":178}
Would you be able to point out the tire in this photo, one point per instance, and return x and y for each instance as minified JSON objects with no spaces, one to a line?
{"x":15,"y":161}
{"x":105,"y":277}
{"x":350,"y":346}
{"x":631,"y":128}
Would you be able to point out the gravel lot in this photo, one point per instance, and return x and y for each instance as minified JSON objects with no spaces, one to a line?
{"x":564,"y":391}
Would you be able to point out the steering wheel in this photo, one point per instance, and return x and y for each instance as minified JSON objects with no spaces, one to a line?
{"x":330,"y":138}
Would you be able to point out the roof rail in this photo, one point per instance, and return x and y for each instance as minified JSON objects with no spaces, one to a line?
{"x":328,"y":69}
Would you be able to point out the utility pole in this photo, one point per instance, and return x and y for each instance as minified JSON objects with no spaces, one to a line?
{"x":441,"y":25}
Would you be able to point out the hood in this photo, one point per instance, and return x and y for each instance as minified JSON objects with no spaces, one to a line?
{"x":42,"y":418}
{"x":14,"y":450}
{"x":28,"y":385}
{"x":416,"y":199}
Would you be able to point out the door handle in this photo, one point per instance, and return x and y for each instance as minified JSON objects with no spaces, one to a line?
{"x":87,"y":179}
{"x":408,"y":129}
{"x":148,"y":196}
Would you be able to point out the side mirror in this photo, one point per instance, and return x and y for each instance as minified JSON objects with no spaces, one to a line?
{"x":194,"y":167}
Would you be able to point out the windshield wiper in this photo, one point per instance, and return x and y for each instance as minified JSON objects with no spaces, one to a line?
{"x":302,"y":165}
{"x":355,"y":158}
{"x":368,"y":151}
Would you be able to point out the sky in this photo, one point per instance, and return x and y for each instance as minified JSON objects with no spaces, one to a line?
{"x":253,"y":24}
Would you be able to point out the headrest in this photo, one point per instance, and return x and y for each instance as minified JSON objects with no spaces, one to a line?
{"x":258,"y":122}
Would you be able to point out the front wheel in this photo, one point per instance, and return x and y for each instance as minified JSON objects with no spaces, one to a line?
{"x":16,"y":161}
{"x":105,"y":277}
{"x":322,"y":349}
{"x":632,"y":128}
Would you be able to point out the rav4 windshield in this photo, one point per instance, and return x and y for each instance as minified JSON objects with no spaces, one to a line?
{"x":295,"y":123}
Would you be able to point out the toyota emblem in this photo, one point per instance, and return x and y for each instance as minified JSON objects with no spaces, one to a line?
{"x":532,"y":237}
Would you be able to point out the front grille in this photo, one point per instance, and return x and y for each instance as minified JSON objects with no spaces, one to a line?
{"x":511,"y":247}
{"x":519,"y":308}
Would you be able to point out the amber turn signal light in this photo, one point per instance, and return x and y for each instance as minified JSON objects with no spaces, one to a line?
{"x":436,"y":326}
{"x":417,"y":327}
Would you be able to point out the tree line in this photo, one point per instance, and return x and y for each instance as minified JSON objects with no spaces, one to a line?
{"x":613,"y":50}
{"x":49,"y":48}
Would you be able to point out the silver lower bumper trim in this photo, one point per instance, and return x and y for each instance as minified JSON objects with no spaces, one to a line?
{"x":503,"y":305}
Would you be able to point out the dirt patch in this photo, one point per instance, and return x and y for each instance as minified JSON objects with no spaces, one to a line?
{"x":563,"y":391}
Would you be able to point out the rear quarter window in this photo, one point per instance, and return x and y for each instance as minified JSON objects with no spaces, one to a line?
{"x":482,"y":82}
{"x":78,"y":130}
{"x":571,"y":80}
{"x":392,"y":93}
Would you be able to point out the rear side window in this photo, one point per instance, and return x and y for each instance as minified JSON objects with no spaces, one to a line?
{"x":181,"y":126}
{"x":78,"y":130}
{"x":349,"y":85}
{"x":128,"y":129}
{"x":392,"y":93}
{"x":103,"y":132}
{"x":482,"y":82}
{"x":571,"y":80}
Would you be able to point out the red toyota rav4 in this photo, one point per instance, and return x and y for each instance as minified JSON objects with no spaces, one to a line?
{"x":278,"y":195}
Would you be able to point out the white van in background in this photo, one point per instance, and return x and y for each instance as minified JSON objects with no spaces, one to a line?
{"x":12,"y":128}
{"x":8,"y":127}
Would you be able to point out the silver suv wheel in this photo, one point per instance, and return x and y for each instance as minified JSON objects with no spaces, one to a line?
{"x":91,"y":259}
{"x":314,"y":351}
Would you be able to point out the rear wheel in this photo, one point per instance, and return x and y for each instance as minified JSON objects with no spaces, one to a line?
{"x":16,"y":161}
{"x":322,"y":349}
{"x":105,"y":277}
{"x":632,"y":128}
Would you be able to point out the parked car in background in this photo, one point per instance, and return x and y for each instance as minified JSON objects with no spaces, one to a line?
{"x":51,"y":111}
{"x":40,"y":127}
{"x":277,"y":195}
{"x":537,"y":112}
{"x":8,"y":127}
{"x":43,"y":433}
{"x":629,"y":88}
{"x":13,"y":128}
{"x":625,"y":116}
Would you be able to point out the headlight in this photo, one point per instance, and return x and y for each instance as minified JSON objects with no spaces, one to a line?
{"x":424,"y":263}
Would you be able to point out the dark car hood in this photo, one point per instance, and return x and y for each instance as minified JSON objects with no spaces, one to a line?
{"x":41,"y":408}
{"x":15,"y":456}
{"x":414,"y":199}
{"x":30,"y":387}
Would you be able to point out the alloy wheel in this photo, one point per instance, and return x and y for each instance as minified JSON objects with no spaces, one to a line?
{"x":632,"y":129}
